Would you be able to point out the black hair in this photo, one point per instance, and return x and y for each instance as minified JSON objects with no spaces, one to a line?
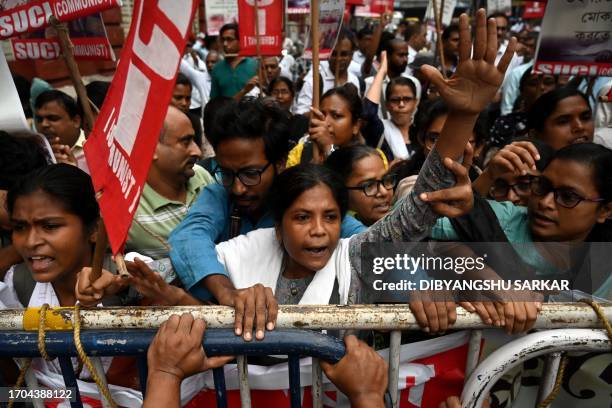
{"x":229,"y":26}
{"x":595,"y":156}
{"x":389,"y":43}
{"x":294,"y":181}
{"x":350,"y":94}
{"x":341,"y":161}
{"x":346,"y":34}
{"x":197,"y":128}
{"x":481,"y":128}
{"x":399,"y":81}
{"x":500,"y":14}
{"x":19,"y":155}
{"x":454,"y":27}
{"x":546,"y":104}
{"x":23,"y":90}
{"x":68,"y":184}
{"x":96,"y":93}
{"x":430,"y":111}
{"x":210,"y":113}
{"x":366,"y":30}
{"x":209,"y":40}
{"x":181,"y":79}
{"x":250,"y":118}
{"x":412,"y":29}
{"x":385,"y":37}
{"x":284,"y":79}
{"x":62,"y":99}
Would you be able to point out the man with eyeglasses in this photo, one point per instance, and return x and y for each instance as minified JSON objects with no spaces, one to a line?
{"x":250,"y":140}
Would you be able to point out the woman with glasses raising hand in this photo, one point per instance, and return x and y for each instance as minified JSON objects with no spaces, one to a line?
{"x":508,"y":175}
{"x":570,"y":202}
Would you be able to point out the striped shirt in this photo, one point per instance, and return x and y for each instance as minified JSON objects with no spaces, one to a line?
{"x":157,"y":216}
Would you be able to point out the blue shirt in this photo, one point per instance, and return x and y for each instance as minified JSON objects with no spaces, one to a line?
{"x":207,"y":223}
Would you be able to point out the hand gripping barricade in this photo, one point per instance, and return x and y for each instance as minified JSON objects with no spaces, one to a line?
{"x":60,"y":332}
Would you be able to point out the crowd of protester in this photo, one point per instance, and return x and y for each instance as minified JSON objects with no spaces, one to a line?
{"x":255,"y":198}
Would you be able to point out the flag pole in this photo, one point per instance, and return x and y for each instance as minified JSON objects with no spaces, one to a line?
{"x":438,"y":39}
{"x":260,"y":72}
{"x":77,"y":81}
{"x":314,"y":39}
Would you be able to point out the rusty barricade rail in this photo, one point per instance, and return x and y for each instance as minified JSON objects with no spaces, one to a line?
{"x":394,"y":318}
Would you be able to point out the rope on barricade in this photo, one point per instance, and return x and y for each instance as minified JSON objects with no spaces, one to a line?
{"x":85,"y":359}
{"x":561,"y":371}
{"x":42,"y":349}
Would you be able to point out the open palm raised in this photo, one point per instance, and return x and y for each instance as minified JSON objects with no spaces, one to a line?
{"x":476,"y":79}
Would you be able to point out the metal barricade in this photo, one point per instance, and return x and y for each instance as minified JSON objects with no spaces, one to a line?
{"x":133,"y":328}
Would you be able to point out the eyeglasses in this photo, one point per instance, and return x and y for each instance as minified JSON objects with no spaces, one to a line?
{"x":248,"y":177}
{"x":500,"y":188}
{"x":371,"y":187}
{"x":400,"y":99}
{"x":281,"y":91}
{"x":567,"y":198}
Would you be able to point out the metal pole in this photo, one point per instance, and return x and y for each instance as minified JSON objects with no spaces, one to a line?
{"x":309,"y":317}
{"x":473,"y":352}
{"x":551,"y":366}
{"x":243,"y":381}
{"x":394,"y":364}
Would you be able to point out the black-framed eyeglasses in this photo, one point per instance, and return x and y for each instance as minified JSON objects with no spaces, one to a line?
{"x":565,"y":197}
{"x":500,"y":188}
{"x":400,"y":99}
{"x":248,"y":177}
{"x":371,"y":187}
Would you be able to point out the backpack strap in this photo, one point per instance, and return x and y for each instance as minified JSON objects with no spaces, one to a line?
{"x":23,"y":283}
{"x":235,"y":222}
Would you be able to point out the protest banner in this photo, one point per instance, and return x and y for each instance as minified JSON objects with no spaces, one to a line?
{"x":575,"y":39}
{"x":499,"y":6}
{"x":263,"y":25}
{"x":23,"y":16}
{"x":534,"y":9}
{"x":87,"y":35}
{"x":447,"y":12}
{"x":218,"y":13}
{"x":121,"y":145}
{"x":374,"y":8}
{"x":330,"y":21}
{"x":298,"y":6}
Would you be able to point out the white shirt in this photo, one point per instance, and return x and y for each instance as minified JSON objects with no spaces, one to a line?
{"x":412,"y":53}
{"x":304,"y":101}
{"x":603,"y":119}
{"x":201,"y":81}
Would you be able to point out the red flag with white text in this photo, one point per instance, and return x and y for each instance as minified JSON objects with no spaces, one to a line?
{"x":270,"y":20}
{"x":35,"y":15}
{"x":121,"y":146}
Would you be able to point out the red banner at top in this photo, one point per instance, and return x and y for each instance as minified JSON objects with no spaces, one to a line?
{"x":121,"y":146}
{"x":534,"y":9}
{"x":381,"y":6}
{"x":269,"y":18}
{"x":36,"y":14}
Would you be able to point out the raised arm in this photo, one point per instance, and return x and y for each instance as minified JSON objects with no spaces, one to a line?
{"x":376,"y":88}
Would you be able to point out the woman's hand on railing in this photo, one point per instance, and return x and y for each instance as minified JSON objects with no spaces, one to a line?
{"x":514,"y":316}
{"x":362,"y":375}
{"x":256,"y":304}
{"x":434,"y":312}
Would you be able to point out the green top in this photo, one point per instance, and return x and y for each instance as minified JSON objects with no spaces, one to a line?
{"x":157,"y":216}
{"x":514,"y":222}
{"x":227,"y":81}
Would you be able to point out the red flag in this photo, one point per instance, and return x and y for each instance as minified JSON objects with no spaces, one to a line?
{"x":35,"y":15}
{"x":270,"y":17}
{"x":534,"y":9}
{"x":120,"y":147}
